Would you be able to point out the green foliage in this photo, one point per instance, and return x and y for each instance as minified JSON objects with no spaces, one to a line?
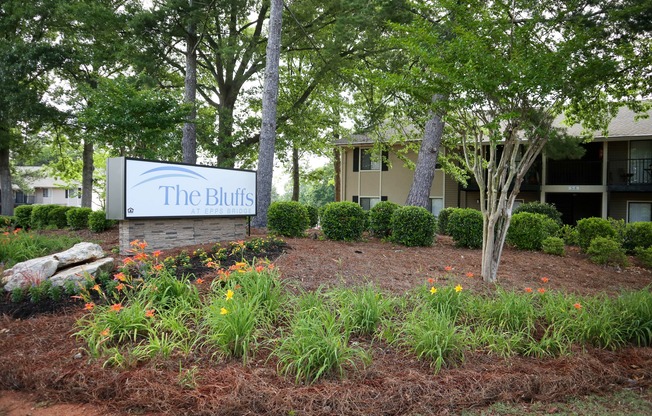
{"x":465,"y":226}
{"x":313,"y":215}
{"x":17,"y":295}
{"x":317,"y":345}
{"x":549,"y":210}
{"x":644,"y":255}
{"x":57,"y":217}
{"x":553,"y":245}
{"x":40,"y":217}
{"x":442,"y":220}
{"x":380,"y":217}
{"x":413,"y":226}
{"x":636,"y":311}
{"x":507,"y":311}
{"x":97,"y":222}
{"x":590,"y":228}
{"x":569,"y":234}
{"x":362,"y":308}
{"x":23,"y":214}
{"x":7,"y":222}
{"x":288,"y":219}
{"x":604,"y":250}
{"x":528,"y":230}
{"x":343,"y":221}
{"x":637,"y":234}
{"x":20,"y":245}
{"x":77,"y":217}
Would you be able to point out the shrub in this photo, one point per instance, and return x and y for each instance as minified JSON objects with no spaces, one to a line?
{"x":568,"y":233}
{"x":77,"y":218}
{"x":41,"y":216}
{"x":544,"y":208}
{"x":442,"y":220}
{"x":644,"y":255}
{"x":343,"y":221}
{"x":313,"y":215}
{"x":6,"y":221}
{"x":380,"y":217}
{"x":413,"y":226}
{"x":97,"y":222}
{"x":57,"y":217}
{"x":619,"y":229}
{"x":23,"y":214}
{"x":528,"y":230}
{"x":465,"y":226}
{"x":553,"y":245}
{"x":637,"y":234}
{"x":287,"y":218}
{"x":590,"y":228}
{"x":604,"y":250}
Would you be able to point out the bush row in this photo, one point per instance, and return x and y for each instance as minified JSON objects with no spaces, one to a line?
{"x":51,"y":216}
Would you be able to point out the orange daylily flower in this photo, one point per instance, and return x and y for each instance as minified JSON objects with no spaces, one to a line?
{"x":528,"y":290}
{"x":199,"y":281}
{"x":120,"y":276}
{"x":96,"y":287}
{"x":127,"y":260}
{"x":140,"y":256}
{"x":134,"y":243}
{"x":431,"y":280}
{"x":116,"y":307}
{"x":469,"y":274}
{"x":260,"y":268}
{"x":120,"y":287}
{"x":545,"y":279}
{"x":270,"y":267}
{"x":149,"y":313}
{"x":541,"y":290}
{"x":89,"y":306}
{"x":157,"y":253}
{"x":577,"y":306}
{"x":158,"y":267}
{"x":448,"y":268}
{"x":105,"y":333}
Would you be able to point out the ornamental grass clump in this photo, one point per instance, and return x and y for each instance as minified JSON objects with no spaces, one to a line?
{"x":18,"y":245}
{"x":507,"y":311}
{"x":362,"y":308}
{"x":317,"y":345}
{"x":288,"y":218}
{"x":413,"y":226}
{"x":380,"y":217}
{"x":343,"y":221}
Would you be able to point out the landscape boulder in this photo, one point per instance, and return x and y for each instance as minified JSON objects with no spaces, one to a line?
{"x":72,"y":264}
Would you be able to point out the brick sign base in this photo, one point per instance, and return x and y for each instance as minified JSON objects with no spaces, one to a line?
{"x":164,"y":234}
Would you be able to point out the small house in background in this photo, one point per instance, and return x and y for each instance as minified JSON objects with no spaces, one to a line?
{"x":43,"y":189}
{"x":612,"y":179}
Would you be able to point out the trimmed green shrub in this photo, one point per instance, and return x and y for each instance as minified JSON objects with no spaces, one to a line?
{"x":57,"y":217}
{"x":77,"y":217}
{"x":465,"y":226}
{"x":380,"y":218}
{"x":442,"y":220}
{"x":553,"y":245}
{"x":590,"y":228}
{"x":97,"y":222}
{"x":343,"y":221}
{"x":568,"y":233}
{"x":619,"y":229}
{"x":287,"y":218}
{"x":604,"y":250}
{"x":637,"y":234}
{"x":7,"y":221}
{"x":23,"y":214}
{"x":528,"y":230}
{"x":413,"y":226}
{"x":40,"y":218}
{"x":313,"y":215}
{"x":644,"y":255}
{"x":549,"y":210}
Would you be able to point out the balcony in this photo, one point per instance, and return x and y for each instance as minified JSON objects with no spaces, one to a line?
{"x":630,"y":175}
{"x":574,"y":172}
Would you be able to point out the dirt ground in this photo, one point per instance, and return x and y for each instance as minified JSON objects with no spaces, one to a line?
{"x":45,"y":371}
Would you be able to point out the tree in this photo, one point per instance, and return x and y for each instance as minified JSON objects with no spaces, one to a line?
{"x":268,"y":128}
{"x":509,"y":69}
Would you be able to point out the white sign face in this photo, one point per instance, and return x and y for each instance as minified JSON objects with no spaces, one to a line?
{"x":154,"y":189}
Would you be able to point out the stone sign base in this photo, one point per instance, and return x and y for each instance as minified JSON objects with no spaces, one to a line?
{"x":163,"y":234}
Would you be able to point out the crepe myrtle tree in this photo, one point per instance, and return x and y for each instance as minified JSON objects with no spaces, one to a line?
{"x":508,"y":69}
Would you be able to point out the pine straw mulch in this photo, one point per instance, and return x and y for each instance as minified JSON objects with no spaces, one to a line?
{"x":40,"y":355}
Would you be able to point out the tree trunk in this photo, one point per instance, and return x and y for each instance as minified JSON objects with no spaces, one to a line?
{"x":337,"y":161}
{"x":189,"y":141}
{"x":5,"y":181}
{"x":268,"y":128}
{"x":87,"y":175}
{"x":295,"y":173}
{"x":424,"y":171}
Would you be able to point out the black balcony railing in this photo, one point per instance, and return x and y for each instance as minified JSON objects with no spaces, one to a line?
{"x":574,"y":172}
{"x":629,"y":174}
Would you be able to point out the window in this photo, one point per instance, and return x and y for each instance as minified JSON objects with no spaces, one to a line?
{"x":639,"y":211}
{"x":46,"y":192}
{"x":368,"y":203}
{"x":517,"y":203}
{"x":436,"y":205}
{"x":368,"y":161}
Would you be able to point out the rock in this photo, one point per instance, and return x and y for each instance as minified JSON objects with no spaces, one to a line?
{"x":80,"y":252}
{"x":30,"y":272}
{"x":79,"y":273}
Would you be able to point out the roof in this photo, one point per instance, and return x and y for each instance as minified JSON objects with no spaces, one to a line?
{"x":624,"y":124}
{"x":40,"y":181}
